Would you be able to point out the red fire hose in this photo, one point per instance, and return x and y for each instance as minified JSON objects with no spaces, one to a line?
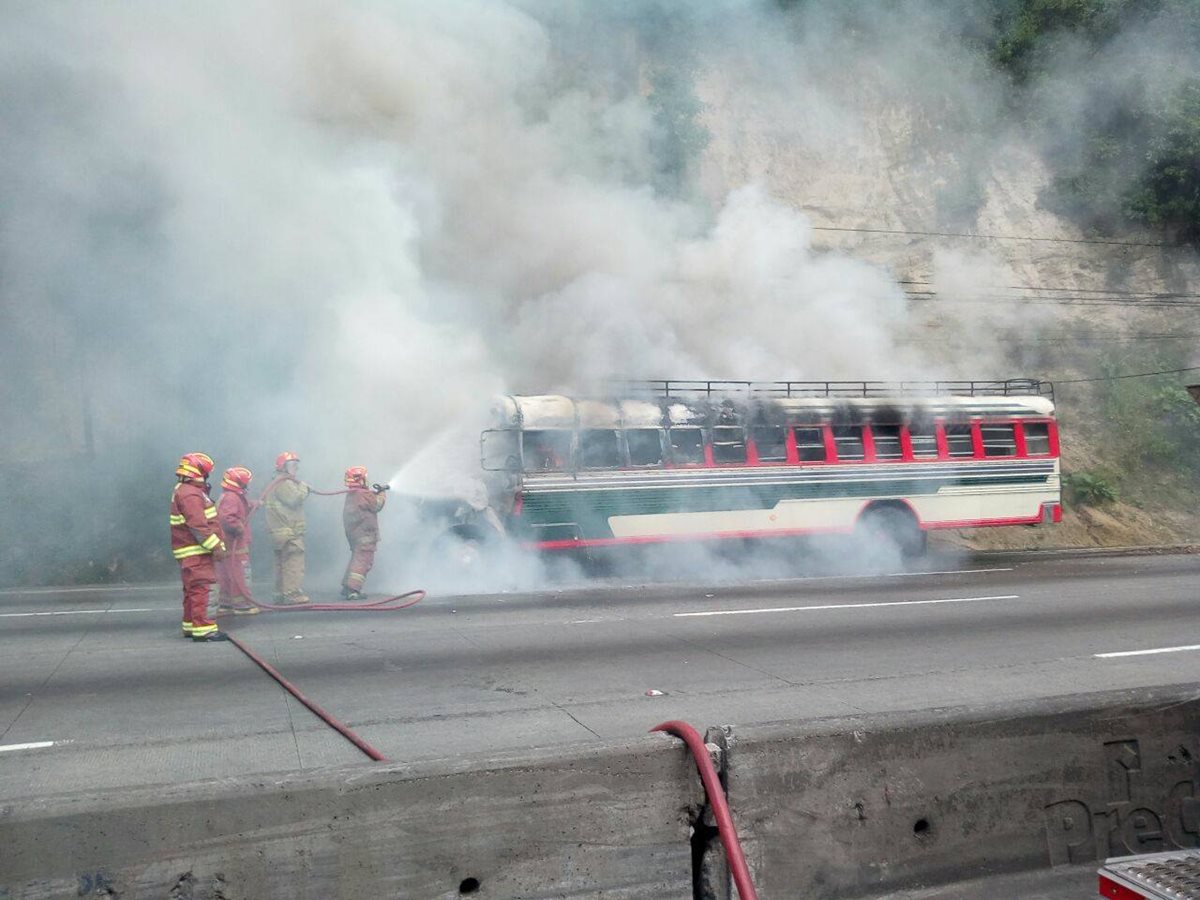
{"x":720,"y":806}
{"x":384,"y":604}
{"x":295,"y":692}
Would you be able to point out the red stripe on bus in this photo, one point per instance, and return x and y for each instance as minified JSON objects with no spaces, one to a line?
{"x":984,"y":523}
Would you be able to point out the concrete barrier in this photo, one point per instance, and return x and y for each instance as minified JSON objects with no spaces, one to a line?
{"x":872,"y":805}
{"x":830,"y":808}
{"x":611,"y":821}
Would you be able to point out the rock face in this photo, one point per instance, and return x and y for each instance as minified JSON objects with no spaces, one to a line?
{"x":998,"y":284}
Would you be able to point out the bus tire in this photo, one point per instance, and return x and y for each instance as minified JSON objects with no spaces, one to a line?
{"x":895,"y":524}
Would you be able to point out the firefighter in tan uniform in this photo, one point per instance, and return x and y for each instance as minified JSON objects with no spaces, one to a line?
{"x":360,"y":516}
{"x":285,"y":522}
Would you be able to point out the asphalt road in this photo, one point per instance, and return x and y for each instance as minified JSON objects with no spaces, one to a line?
{"x":98,"y":690}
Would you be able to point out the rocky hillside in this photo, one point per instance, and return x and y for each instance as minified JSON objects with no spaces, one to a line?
{"x":1012,"y":288}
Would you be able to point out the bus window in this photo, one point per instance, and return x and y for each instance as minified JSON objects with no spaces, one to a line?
{"x":645,"y":446}
{"x":999,"y":439}
{"x":924,"y":440}
{"x":1037,"y":438}
{"x":771,"y":443}
{"x":599,"y":448}
{"x":546,"y":451}
{"x":729,"y":445}
{"x":959,"y":441}
{"x":849,"y":442}
{"x":687,"y":446}
{"x":887,"y":441}
{"x":810,"y":443}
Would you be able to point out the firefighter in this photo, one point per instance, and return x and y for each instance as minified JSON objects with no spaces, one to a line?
{"x":196,"y":539}
{"x":233,"y":514}
{"x":360,"y":515}
{"x":285,"y":522}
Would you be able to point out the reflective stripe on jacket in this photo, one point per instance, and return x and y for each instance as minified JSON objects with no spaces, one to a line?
{"x":195,"y":530}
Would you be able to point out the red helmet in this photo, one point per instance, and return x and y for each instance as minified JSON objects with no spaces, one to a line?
{"x":284,"y":458}
{"x":194,"y":465}
{"x":236,"y":479}
{"x":356,"y":476}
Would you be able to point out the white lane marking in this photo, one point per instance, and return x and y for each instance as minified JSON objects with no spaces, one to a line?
{"x":1118,"y":653}
{"x":96,"y":589}
{"x":77,"y":612}
{"x":36,"y":745}
{"x":868,"y":576}
{"x":947,"y":572}
{"x":780,"y":609}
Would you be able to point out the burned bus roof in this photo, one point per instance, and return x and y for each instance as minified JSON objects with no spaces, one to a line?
{"x":559,"y":411}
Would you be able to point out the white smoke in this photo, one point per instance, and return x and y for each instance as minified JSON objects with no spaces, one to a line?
{"x":341,"y":227}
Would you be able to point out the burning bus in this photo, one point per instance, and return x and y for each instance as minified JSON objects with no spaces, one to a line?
{"x":708,"y":461}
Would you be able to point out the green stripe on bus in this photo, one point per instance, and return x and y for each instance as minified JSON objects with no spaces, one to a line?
{"x":571,"y":506}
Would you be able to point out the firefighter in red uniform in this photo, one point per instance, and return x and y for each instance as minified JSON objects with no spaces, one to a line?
{"x":233,"y":514}
{"x":195,"y":539}
{"x":360,"y":515}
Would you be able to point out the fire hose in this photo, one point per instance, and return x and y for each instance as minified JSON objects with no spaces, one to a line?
{"x":295,"y":692}
{"x":738,"y":868}
{"x":384,"y":604}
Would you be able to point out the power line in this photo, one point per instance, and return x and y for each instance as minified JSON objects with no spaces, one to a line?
{"x":990,"y":237}
{"x":1067,"y":338}
{"x":1146,"y":303}
{"x":1116,"y":292}
{"x":1119,"y":377}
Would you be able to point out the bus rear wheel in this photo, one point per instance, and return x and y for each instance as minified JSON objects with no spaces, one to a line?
{"x":895,"y":526}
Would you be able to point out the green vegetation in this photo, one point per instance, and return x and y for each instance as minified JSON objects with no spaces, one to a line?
{"x":1137,"y":159}
{"x":1087,"y":489}
{"x":668,"y":37}
{"x":681,"y":135}
{"x":1149,"y":433}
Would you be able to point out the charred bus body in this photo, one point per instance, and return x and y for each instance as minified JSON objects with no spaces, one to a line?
{"x":720,"y":461}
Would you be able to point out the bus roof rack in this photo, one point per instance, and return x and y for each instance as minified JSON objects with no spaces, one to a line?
{"x":692,"y":389}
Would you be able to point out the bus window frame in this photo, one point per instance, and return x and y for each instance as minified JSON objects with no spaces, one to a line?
{"x":826,"y":438}
{"x":1051,"y":435}
{"x":567,"y":468}
{"x":831,"y":440}
{"x":909,"y":453}
{"x":664,"y":447}
{"x":1018,"y":439}
{"x":944,"y":440}
{"x":711,"y":446}
{"x":752,"y":457}
{"x":705,"y":448}
{"x":900,"y":432}
{"x":622,"y":451}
